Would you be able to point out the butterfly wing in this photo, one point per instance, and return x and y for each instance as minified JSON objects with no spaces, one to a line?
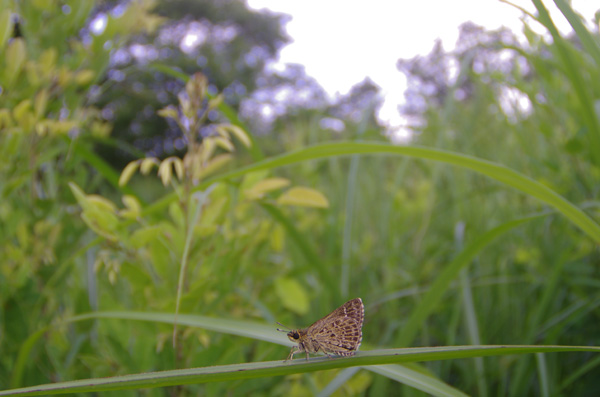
{"x":340,"y":332}
{"x":352,"y":309}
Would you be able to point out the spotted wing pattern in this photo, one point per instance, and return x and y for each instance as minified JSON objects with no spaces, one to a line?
{"x":340,"y":332}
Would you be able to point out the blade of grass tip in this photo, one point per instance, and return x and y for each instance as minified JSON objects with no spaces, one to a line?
{"x":440,"y":285}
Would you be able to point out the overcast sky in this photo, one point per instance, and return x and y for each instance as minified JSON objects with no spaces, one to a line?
{"x":341,"y":42}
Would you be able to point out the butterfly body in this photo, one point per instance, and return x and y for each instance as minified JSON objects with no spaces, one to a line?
{"x":338,"y":333}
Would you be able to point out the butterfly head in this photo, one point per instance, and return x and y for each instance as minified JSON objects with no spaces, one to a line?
{"x":294,"y":335}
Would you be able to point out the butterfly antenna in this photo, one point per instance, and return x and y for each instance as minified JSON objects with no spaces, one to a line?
{"x":282,"y":330}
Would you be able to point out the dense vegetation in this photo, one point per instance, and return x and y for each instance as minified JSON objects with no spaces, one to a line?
{"x":123,"y":213}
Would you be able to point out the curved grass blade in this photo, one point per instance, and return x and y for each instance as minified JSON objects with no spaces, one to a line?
{"x":495,"y":171}
{"x":416,"y":379}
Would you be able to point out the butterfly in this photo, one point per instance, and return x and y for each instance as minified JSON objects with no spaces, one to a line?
{"x":338,"y":333}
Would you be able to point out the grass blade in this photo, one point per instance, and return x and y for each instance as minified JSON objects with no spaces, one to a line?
{"x":495,"y":171}
{"x":223,"y":373}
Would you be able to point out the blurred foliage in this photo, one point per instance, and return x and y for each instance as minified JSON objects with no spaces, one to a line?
{"x":227,"y":41}
{"x":47,"y":127}
{"x":286,"y":245}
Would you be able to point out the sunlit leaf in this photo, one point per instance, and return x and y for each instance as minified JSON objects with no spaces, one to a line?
{"x":292,"y":295}
{"x":266,"y":185}
{"x":6,"y":26}
{"x":303,"y":197}
{"x":128,"y":172}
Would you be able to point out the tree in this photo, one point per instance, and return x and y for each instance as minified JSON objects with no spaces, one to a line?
{"x":225,"y":40}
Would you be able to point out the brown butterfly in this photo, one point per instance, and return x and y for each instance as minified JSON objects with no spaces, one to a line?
{"x":338,"y":333}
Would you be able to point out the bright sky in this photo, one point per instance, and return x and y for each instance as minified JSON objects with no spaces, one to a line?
{"x":341,"y":42}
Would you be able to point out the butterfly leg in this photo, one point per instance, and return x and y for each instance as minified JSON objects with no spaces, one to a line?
{"x":291,"y":355}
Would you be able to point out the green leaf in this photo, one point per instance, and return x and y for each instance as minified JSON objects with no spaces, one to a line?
{"x":6,"y":27}
{"x":15,"y":58}
{"x":266,"y":185}
{"x":292,"y":295}
{"x":303,"y":197}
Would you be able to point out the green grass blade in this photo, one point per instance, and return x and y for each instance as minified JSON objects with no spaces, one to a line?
{"x":416,"y":379}
{"x":495,"y":171}
{"x":573,"y":73}
{"x":339,"y":381}
{"x":228,"y":373}
{"x":472,"y":325}
{"x":587,"y":40}
{"x":247,"y":329}
{"x":542,"y":374}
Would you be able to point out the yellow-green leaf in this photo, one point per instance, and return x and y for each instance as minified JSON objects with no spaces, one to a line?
{"x":40,"y":103}
{"x":84,"y":77}
{"x":132,"y":209}
{"x":266,"y":185}
{"x":303,"y":197}
{"x":292,"y":295}
{"x":15,"y":57}
{"x":214,"y":164}
{"x":146,"y":235}
{"x":147,"y":164}
{"x":79,"y":194}
{"x":239,"y":133}
{"x":5,"y":26}
{"x":102,"y":203}
{"x":216,"y":101}
{"x":168,"y":112}
{"x":224,"y":143}
{"x":208,"y":148}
